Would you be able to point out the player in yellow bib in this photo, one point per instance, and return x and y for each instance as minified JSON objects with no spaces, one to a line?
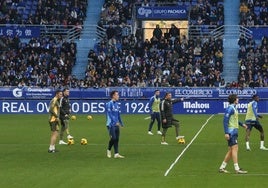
{"x":154,"y":106}
{"x":252,"y":120}
{"x":230,"y":125}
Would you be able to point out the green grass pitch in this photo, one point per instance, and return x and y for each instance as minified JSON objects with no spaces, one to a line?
{"x":25,"y":162}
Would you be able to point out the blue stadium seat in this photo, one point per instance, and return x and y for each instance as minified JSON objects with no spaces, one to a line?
{"x":35,"y":2}
{"x":63,"y":3}
{"x":220,"y":3}
{"x":20,"y":10}
{"x":257,"y":10}
{"x":33,"y":12}
{"x":28,"y":2}
{"x":28,"y":7}
{"x":26,"y":11}
{"x":25,"y":16}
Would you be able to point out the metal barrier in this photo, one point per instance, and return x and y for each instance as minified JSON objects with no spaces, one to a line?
{"x":232,"y":31}
{"x":216,"y":32}
{"x":72,"y":32}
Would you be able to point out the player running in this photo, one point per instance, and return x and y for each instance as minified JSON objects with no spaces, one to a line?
{"x":252,"y":120}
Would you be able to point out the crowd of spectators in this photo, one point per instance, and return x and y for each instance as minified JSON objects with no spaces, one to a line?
{"x":41,"y":12}
{"x":207,"y":13}
{"x":253,"y":13}
{"x":42,"y":62}
{"x":253,"y":61}
{"x":253,"y":55}
{"x":201,"y":12}
{"x":162,"y":61}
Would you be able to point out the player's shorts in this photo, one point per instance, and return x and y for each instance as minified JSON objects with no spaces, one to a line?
{"x":255,"y":124}
{"x":233,"y":140}
{"x":155,"y":115}
{"x":54,"y":126}
{"x":64,"y":123}
{"x":170,"y":123}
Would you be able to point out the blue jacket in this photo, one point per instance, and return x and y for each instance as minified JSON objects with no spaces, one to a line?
{"x":112,"y":114}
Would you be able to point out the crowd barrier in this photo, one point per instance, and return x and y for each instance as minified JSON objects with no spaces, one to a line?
{"x":132,"y":100}
{"x":140,"y":106}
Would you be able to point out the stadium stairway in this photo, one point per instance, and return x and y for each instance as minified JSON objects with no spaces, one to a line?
{"x":230,"y":39}
{"x":87,"y":39}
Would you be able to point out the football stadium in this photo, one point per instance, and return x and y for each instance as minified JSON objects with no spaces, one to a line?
{"x":133,"y":93}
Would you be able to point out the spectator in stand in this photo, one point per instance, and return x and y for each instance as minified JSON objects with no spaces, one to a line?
{"x":157,"y":32}
{"x":243,"y":10}
{"x":174,"y":32}
{"x":110,"y":32}
{"x":145,"y":3}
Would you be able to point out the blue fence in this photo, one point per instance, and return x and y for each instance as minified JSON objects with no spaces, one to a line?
{"x":259,"y":32}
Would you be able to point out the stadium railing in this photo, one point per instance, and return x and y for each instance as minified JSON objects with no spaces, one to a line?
{"x":232,"y":31}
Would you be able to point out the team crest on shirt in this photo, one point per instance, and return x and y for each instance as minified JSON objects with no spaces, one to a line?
{"x":114,"y":109}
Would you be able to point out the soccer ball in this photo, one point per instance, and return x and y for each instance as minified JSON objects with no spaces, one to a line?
{"x":70,"y":142}
{"x":83,"y":141}
{"x":89,"y":117}
{"x":181,"y":141}
{"x":73,"y":117}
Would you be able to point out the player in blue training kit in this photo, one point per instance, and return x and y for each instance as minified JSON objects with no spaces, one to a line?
{"x":154,"y":106}
{"x":252,"y":120}
{"x":113,"y":124}
{"x":231,"y":124}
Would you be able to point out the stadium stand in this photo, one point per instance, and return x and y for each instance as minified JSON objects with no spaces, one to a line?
{"x":125,"y":59}
{"x":41,"y":62}
{"x":253,"y":61}
{"x":252,"y":54}
{"x":46,"y":61}
{"x":157,"y":62}
{"x":253,"y":12}
{"x":50,"y":12}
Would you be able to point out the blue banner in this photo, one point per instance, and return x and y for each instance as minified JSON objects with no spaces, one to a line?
{"x":126,"y":106}
{"x":162,"y":12}
{"x":259,"y":32}
{"x":131,"y":93}
{"x":20,"y":31}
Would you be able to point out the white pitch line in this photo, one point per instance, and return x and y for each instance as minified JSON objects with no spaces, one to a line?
{"x":147,"y":117}
{"x":183,"y":151}
{"x":251,"y":174}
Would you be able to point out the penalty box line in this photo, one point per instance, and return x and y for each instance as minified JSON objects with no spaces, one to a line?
{"x":188,"y":145}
